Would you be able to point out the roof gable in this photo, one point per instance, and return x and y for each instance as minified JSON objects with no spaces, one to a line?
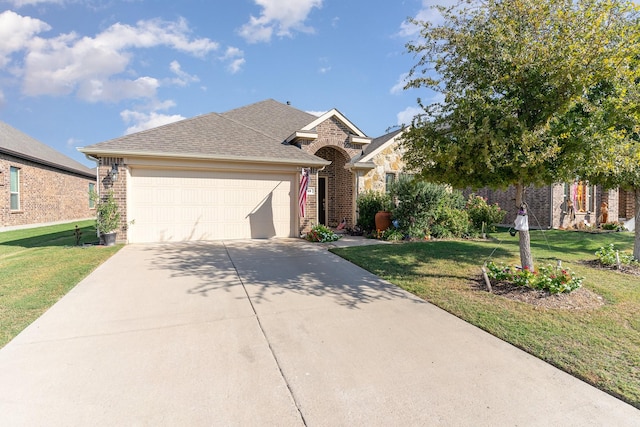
{"x":21,"y":145}
{"x":377,"y":145}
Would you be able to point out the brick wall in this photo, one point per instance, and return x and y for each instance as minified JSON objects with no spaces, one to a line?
{"x":333,"y":144}
{"x":119,"y":190}
{"x":46,"y":194}
{"x":548,"y":206}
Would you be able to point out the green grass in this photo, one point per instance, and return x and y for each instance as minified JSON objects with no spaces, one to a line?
{"x":38,"y":266}
{"x":600,"y":346}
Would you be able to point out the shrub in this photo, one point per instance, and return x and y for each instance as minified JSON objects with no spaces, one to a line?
{"x":320,"y":233}
{"x":424,"y":208}
{"x":369,"y":204}
{"x":450,"y":222}
{"x":615,"y":226}
{"x":482,"y":213}
{"x":607,"y":256}
{"x":548,"y":278}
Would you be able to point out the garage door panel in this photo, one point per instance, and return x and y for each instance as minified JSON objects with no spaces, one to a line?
{"x":172,"y":205}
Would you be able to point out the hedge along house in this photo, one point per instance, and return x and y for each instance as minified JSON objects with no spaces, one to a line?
{"x":232,"y":175}
{"x":40,"y":185}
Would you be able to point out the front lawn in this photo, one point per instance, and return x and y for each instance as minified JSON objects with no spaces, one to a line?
{"x":598,"y":345}
{"x":38,"y":266}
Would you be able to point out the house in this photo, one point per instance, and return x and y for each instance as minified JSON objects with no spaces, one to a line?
{"x":237,"y":174}
{"x":574,"y":204}
{"x":39,"y":185}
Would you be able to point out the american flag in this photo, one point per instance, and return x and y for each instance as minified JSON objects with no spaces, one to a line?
{"x":302,"y":194}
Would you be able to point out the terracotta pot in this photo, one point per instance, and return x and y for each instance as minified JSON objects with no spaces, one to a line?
{"x":383,"y":220}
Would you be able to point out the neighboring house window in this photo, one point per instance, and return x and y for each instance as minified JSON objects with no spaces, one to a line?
{"x":388,"y":180}
{"x":92,"y":189}
{"x":15,"y":188}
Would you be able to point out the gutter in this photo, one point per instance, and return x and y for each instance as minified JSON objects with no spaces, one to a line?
{"x":228,"y":158}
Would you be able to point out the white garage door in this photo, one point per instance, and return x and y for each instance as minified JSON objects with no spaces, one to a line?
{"x":179,"y":205}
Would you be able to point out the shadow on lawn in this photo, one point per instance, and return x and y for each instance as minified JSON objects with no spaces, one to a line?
{"x":275,"y":270}
{"x":57,"y":238}
{"x":437,"y":259}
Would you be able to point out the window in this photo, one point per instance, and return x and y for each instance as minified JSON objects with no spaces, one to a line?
{"x":15,"y":188}
{"x":388,"y":180}
{"x":92,"y":189}
{"x":579,"y":197}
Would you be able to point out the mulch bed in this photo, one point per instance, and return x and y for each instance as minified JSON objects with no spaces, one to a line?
{"x":580,"y":299}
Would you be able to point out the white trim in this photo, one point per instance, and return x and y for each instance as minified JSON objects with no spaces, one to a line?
{"x":377,"y":151}
{"x":334,"y":113}
{"x":222,"y":157}
{"x":360,"y":140}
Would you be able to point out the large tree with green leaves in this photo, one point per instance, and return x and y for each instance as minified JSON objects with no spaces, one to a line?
{"x":510,"y":72}
{"x":614,"y":160}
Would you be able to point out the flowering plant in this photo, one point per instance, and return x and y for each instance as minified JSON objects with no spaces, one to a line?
{"x":322,"y":234}
{"x":548,"y":278}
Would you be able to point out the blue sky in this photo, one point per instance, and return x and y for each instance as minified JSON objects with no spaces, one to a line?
{"x":78,"y":72}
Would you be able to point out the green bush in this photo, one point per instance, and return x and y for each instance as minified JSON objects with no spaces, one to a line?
{"x":450,"y":222}
{"x":548,"y":278}
{"x":607,"y":256}
{"x":369,"y":204}
{"x":614,"y":226}
{"x":482,"y":213}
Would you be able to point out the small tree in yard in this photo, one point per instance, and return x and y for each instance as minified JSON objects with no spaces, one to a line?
{"x":511,"y":72}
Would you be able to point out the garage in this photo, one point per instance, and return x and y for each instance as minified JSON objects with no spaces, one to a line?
{"x":172,"y":205}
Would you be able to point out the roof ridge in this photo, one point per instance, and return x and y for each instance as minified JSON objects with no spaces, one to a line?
{"x":249,"y":127}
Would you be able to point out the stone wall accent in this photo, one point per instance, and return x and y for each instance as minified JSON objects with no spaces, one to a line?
{"x":389,"y":160}
{"x":47,"y":194}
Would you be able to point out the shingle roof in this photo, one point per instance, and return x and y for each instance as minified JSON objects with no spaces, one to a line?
{"x":375,"y":144}
{"x":255,"y":132}
{"x":21,"y":145}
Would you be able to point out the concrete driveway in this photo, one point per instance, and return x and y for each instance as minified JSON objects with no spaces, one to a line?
{"x":278,"y":333}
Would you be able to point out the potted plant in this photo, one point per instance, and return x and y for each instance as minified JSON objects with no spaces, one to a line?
{"x":107,"y":218}
{"x":383,"y":216}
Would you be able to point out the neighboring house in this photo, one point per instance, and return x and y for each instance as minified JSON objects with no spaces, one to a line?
{"x":565,"y":205}
{"x":40,"y":185}
{"x":236,"y":175}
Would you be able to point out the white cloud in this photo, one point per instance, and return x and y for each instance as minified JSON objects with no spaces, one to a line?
{"x":16,"y":32}
{"x":20,"y":3}
{"x":148,"y":116}
{"x":117,"y":90}
{"x":73,"y":142}
{"x":280,"y":17}
{"x":426,"y":13}
{"x":236,"y":56}
{"x":143,"y":121}
{"x":3,"y":101}
{"x":316,"y":113}
{"x":98,"y":68}
{"x":182,"y":77}
{"x":405,"y":116}
{"x":399,"y":86}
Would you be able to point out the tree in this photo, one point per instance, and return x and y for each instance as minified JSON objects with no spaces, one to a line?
{"x":614,"y":160}
{"x":510,"y":72}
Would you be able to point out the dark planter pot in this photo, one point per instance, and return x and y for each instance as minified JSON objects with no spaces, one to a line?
{"x":109,"y":239}
{"x":383,"y":220}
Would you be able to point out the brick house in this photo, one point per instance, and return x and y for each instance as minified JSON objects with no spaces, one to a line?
{"x":565,"y":205}
{"x":40,"y":185}
{"x":237,"y":174}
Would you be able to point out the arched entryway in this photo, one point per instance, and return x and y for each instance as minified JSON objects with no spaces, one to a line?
{"x":335,"y":188}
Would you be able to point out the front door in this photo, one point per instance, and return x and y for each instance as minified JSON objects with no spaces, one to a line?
{"x":322,"y":200}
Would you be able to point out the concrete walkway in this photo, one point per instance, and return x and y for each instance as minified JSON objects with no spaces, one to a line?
{"x":279,"y":333}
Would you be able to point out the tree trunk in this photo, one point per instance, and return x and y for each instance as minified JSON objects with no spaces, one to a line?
{"x":526,"y":259}
{"x":636,"y":210}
